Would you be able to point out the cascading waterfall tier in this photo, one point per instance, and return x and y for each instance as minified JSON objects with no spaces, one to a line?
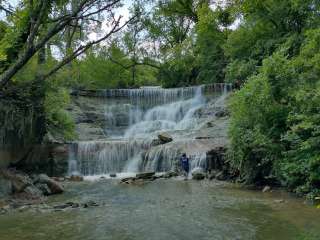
{"x":133,"y":123}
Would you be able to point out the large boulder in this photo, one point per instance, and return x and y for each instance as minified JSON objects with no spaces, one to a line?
{"x":53,"y":185}
{"x":165,"y":138}
{"x":19,"y":181}
{"x":33,"y":192}
{"x":198,"y":174}
{"x":43,"y":188}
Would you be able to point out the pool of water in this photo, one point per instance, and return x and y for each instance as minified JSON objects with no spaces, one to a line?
{"x":168,"y":210}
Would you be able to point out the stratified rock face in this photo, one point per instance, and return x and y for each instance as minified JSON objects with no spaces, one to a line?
{"x":89,"y":116}
{"x":51,"y":159}
{"x":20,"y":128}
{"x":149,"y":130}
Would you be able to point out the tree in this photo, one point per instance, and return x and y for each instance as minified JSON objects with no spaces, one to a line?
{"x":209,"y":46}
{"x":36,"y":27}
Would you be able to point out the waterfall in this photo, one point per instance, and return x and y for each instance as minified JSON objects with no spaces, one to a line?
{"x":133,"y":122}
{"x":172,"y":116}
{"x":99,"y":157}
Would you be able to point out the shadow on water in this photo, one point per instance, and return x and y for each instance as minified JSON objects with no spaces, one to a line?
{"x":167,"y":209}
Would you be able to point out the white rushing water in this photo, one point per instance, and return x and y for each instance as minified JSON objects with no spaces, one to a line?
{"x":134,"y":124}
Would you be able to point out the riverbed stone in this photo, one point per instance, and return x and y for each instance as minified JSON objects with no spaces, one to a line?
{"x":145,"y":175}
{"x":170,"y":174}
{"x":128,"y":180}
{"x":198,"y":174}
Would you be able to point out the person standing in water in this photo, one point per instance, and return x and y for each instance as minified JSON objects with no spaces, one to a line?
{"x":185,"y":165}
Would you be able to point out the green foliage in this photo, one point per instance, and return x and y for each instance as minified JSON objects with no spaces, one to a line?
{"x":58,"y":120}
{"x":240,"y":70}
{"x":254,"y":129}
{"x":301,"y":163}
{"x":178,"y":72}
{"x":110,"y":68}
{"x":210,"y":55}
{"x":275,"y":120}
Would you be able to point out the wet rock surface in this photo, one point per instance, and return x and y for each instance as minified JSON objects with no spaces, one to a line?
{"x":22,"y":186}
{"x":198,"y":174}
{"x":54,"y":186}
{"x":148,"y":176}
{"x":165,"y":138}
{"x":145,"y":175}
{"x":76,"y":178}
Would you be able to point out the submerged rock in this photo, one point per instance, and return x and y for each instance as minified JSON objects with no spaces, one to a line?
{"x":128,"y":180}
{"x":76,"y":178}
{"x":140,"y":178}
{"x":165,"y":138}
{"x":66,"y":205}
{"x":170,"y":174}
{"x":198,"y":174}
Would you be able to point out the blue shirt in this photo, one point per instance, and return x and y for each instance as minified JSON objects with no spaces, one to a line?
{"x":185,"y":163}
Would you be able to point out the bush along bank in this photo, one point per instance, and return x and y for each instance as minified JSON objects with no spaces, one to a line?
{"x":275,"y":117}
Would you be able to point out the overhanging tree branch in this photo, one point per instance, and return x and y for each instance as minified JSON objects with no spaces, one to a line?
{"x":37,"y":39}
{"x":80,"y":50}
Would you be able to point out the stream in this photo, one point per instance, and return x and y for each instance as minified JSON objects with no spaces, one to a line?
{"x":167,"y":209}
